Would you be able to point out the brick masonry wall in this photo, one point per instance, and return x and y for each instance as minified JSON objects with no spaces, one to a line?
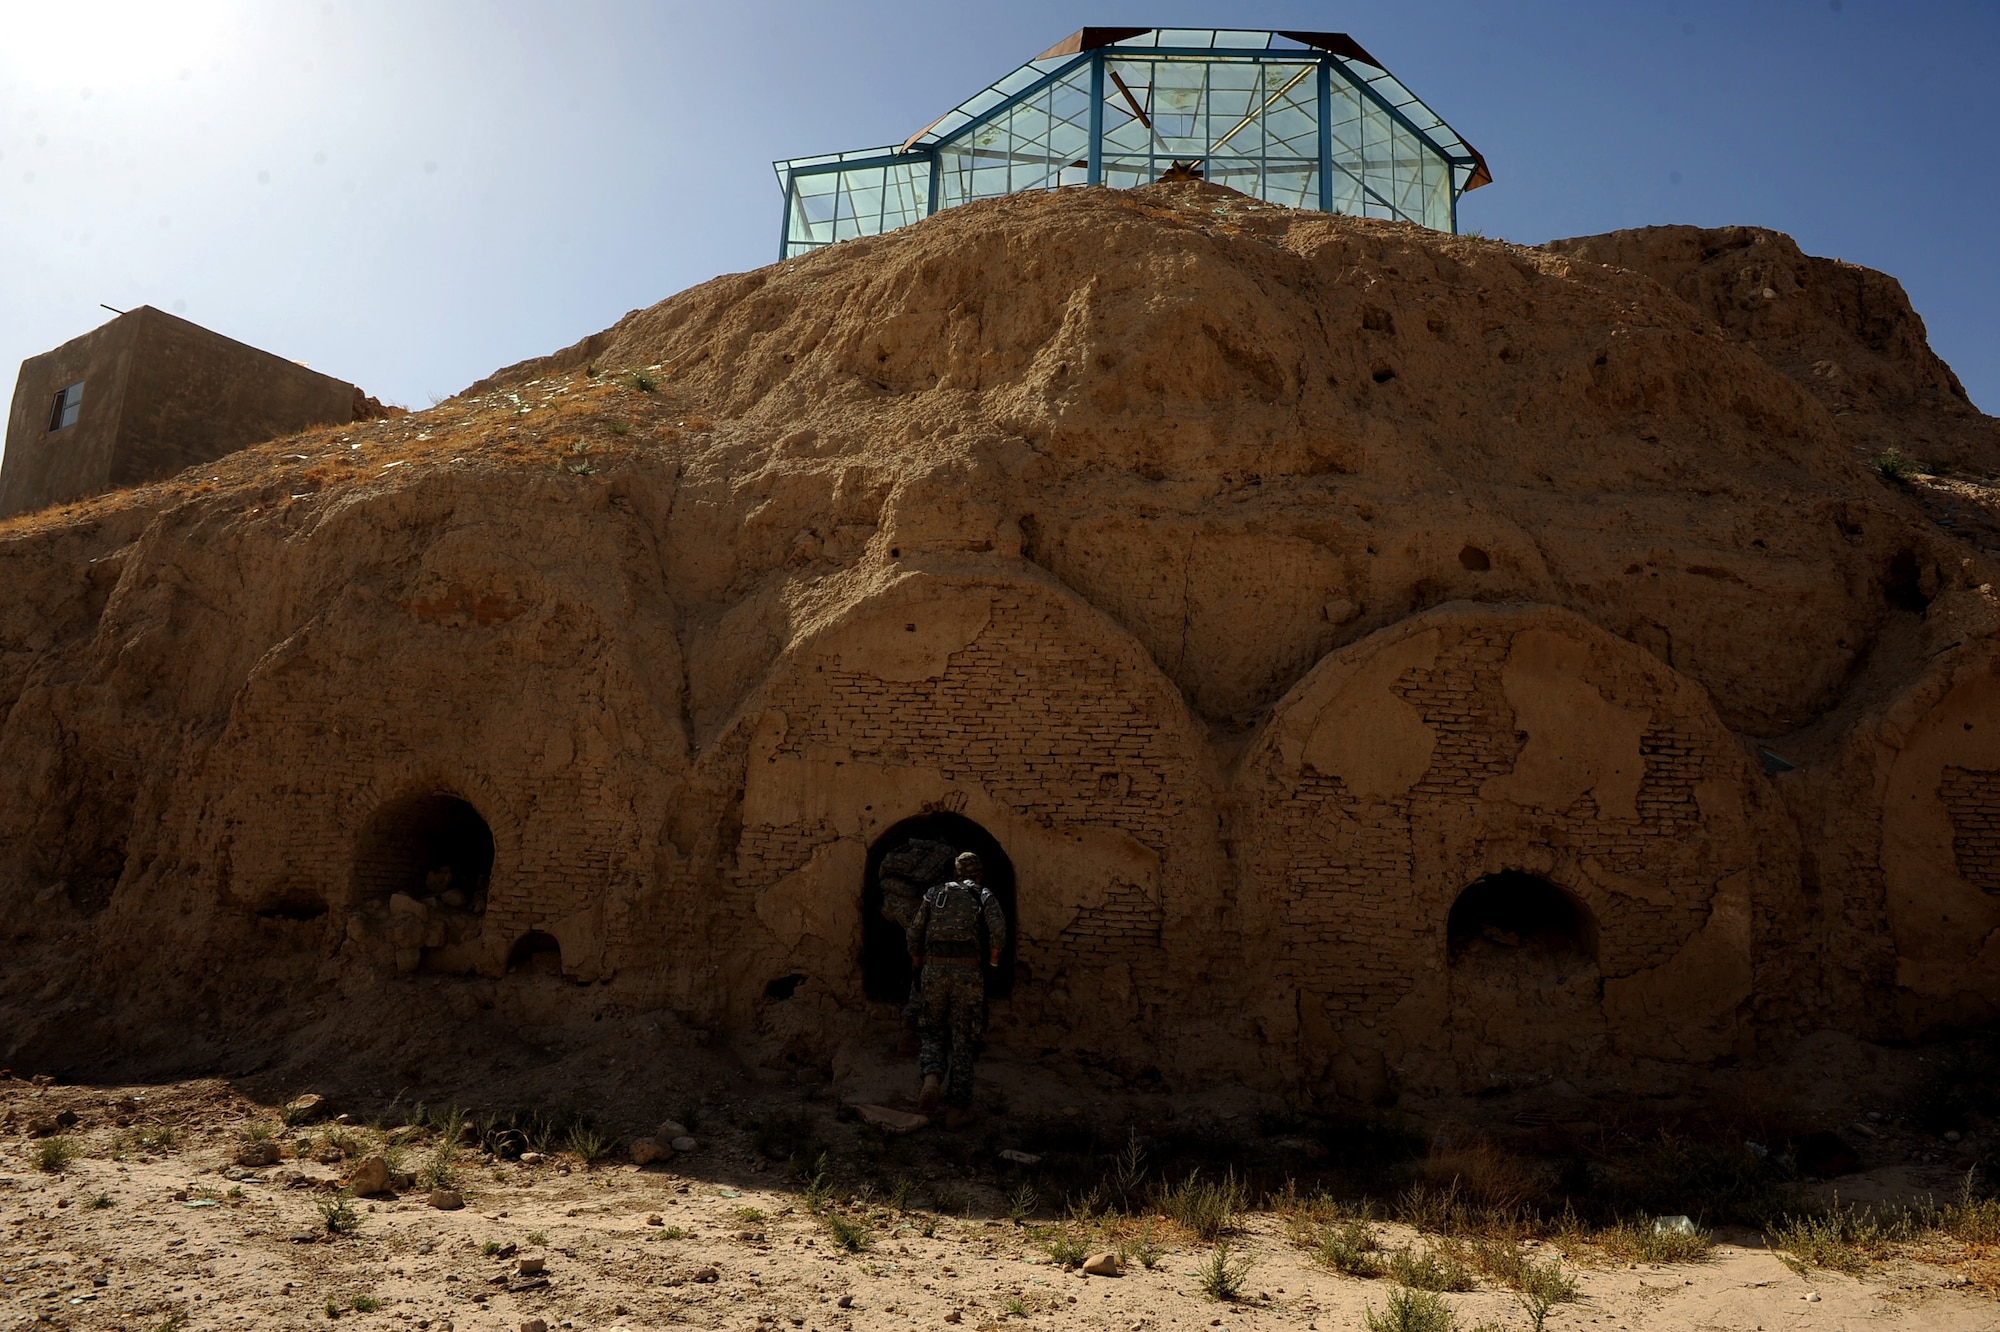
{"x":1061,"y":729}
{"x":1359,"y":890}
{"x":1973,"y":799}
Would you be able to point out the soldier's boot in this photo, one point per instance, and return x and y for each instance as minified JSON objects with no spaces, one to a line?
{"x":958,"y":1116}
{"x":933,"y":1092}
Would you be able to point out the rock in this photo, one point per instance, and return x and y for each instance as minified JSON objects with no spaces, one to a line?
{"x":845,"y":1302}
{"x":1020,"y":1157}
{"x":706,"y":1275}
{"x":305,"y":1109}
{"x":893,"y":1121}
{"x":1951,"y":1135}
{"x":534,"y":1325}
{"x":1825,"y":1155}
{"x":255,"y":1154}
{"x":954,"y":1316}
{"x":446,"y":1200}
{"x":531,"y":1266}
{"x":656,"y":1220}
{"x":670,"y":1129}
{"x":645,"y":1151}
{"x":372,"y":1176}
{"x":43,"y":1126}
{"x":1103,"y":1264}
{"x":532,"y":1158}
{"x":685,"y":1144}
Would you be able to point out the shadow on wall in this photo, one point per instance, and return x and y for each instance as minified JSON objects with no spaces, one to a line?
{"x":885,"y":961}
{"x":434,"y":848}
{"x":536,"y":954}
{"x":1527,"y":998}
{"x":421,"y":874}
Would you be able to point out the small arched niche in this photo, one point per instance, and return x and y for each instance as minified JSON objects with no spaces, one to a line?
{"x":433,"y":847}
{"x":535,"y":954}
{"x":909,"y":858}
{"x":1527,"y":1001}
{"x":1515,"y":913}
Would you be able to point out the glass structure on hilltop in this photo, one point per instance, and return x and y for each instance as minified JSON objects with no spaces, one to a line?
{"x":1304,"y":119}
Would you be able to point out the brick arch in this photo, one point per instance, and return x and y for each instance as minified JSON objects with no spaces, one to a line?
{"x":1935,"y":759}
{"x":1478,"y":739}
{"x":1013,"y":703}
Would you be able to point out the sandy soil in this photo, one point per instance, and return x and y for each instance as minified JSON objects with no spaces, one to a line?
{"x":126,"y":1237}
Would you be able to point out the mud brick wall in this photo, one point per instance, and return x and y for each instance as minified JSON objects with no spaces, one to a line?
{"x":1359,"y":889}
{"x":1056,"y":728}
{"x":1973,"y":799}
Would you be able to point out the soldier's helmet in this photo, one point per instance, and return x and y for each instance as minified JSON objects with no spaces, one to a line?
{"x":967,"y":863}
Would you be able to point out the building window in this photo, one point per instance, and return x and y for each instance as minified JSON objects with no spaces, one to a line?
{"x":67,"y":403}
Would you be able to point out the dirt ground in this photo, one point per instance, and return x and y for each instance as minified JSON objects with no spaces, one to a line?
{"x":154,"y":1225}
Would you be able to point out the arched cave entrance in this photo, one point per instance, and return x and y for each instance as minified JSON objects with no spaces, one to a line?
{"x":535,"y":954}
{"x":885,"y":963}
{"x":1526,"y":994}
{"x":1512,"y":910}
{"x":433,"y":847}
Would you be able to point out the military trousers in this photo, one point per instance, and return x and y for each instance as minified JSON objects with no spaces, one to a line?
{"x":950,"y":1023}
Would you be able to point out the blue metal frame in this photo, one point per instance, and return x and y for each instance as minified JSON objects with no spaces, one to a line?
{"x":1096,"y":157}
{"x":1324,"y":94}
{"x":1328,"y":66}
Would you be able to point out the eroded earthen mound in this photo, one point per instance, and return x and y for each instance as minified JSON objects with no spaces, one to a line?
{"x":1359,"y":641}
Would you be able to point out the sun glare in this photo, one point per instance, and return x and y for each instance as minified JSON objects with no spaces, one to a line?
{"x":108,"y":45}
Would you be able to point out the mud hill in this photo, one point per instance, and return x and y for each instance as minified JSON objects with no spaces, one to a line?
{"x":1382,"y":661}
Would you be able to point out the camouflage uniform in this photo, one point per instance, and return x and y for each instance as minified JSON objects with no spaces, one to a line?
{"x":953,"y":984}
{"x":907,"y":874}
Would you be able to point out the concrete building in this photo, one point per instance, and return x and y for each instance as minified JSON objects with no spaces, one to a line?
{"x":146,"y":395}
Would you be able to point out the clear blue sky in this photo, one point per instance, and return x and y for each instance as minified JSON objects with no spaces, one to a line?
{"x":409,"y":194}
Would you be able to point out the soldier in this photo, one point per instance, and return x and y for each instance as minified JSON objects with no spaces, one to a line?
{"x":947,"y":960}
{"x":907,"y":873}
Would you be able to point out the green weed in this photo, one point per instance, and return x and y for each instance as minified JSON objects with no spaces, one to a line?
{"x":1412,"y":1311}
{"x":1206,"y":1207}
{"x":1646,"y":1241}
{"x":1540,"y":1288}
{"x":338,"y":1215}
{"x":1223,"y":1272}
{"x":54,"y":1155}
{"x":588,"y":1144}
{"x":1351,"y":1248}
{"x":1142,"y":1247}
{"x":846,"y":1234}
{"x":818,"y":1186}
{"x":1434,"y":1270}
{"x":1837,"y":1240}
{"x":1892,"y":466}
{"x":1064,"y":1244}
